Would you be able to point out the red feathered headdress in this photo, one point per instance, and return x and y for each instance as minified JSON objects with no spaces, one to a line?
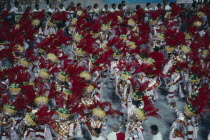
{"x":59,"y":16}
{"x":17,"y":77}
{"x":175,"y":11}
{"x":41,"y":88}
{"x":198,"y":105}
{"x":174,"y":37}
{"x":48,"y":65}
{"x":156,"y":14}
{"x":149,"y":108}
{"x":197,"y":70}
{"x":106,"y":107}
{"x":159,"y":59}
{"x":87,"y":45}
{"x":192,"y":30}
{"x":96,"y":26}
{"x":44,"y":115}
{"x":104,"y":58}
{"x":29,"y":93}
{"x":20,"y":102}
{"x":38,"y":15}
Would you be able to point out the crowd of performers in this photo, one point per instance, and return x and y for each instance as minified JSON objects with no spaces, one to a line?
{"x":53,"y":73}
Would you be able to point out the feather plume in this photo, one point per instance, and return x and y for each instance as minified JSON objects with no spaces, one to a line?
{"x":44,"y":115}
{"x":19,"y":102}
{"x":149,"y":108}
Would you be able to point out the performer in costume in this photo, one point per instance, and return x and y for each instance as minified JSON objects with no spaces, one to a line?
{"x":179,"y":127}
{"x":173,"y":86}
{"x":134,"y":129}
{"x":62,"y":126}
{"x":97,"y":119}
